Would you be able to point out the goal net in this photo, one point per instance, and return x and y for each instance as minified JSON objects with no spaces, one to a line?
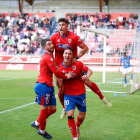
{"x":105,"y":49}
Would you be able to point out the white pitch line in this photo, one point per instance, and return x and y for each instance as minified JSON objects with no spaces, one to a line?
{"x":16,"y":99}
{"x":13,"y":78}
{"x":19,"y":106}
{"x":16,"y":108}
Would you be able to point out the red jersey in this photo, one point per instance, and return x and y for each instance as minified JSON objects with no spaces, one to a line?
{"x":46,"y":70}
{"x":74,"y":86}
{"x":60,"y":43}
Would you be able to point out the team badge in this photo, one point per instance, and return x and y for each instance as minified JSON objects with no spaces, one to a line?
{"x":58,"y":40}
{"x":47,"y":101}
{"x":69,"y":40}
{"x":74,"y":67}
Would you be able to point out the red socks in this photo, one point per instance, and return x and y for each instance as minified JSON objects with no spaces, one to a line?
{"x":61,"y":98}
{"x":79,"y":121}
{"x":95,"y":89}
{"x":42,"y":119}
{"x":44,"y":114}
{"x":50,"y":112}
{"x":72,"y":126}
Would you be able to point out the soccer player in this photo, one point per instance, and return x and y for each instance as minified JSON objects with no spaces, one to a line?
{"x":74,"y":93}
{"x":62,"y":40}
{"x":126,"y":67}
{"x":44,"y":89}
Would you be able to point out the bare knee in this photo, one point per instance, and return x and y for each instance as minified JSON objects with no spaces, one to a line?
{"x":82,"y":116}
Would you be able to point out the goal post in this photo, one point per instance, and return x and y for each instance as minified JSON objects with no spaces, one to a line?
{"x":105,"y":67}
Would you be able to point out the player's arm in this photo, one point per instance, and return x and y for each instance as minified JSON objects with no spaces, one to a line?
{"x":83,"y":50}
{"x":86,"y":76}
{"x":59,"y":74}
{"x":120,"y":64}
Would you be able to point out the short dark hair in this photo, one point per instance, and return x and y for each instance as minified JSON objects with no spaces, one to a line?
{"x":124,"y":53}
{"x":43,"y":41}
{"x":69,"y":48}
{"x":63,"y":20}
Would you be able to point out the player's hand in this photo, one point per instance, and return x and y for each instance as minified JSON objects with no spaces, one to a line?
{"x":74,"y":60}
{"x":57,"y":68}
{"x":69,"y":75}
{"x":85,"y":77}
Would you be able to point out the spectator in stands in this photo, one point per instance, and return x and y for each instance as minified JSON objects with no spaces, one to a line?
{"x":136,"y":18}
{"x":118,"y":50}
{"x":53,"y":11}
{"x":47,"y":11}
{"x":108,"y":16}
{"x":120,"y":18}
{"x":117,"y":24}
{"x":91,"y":19}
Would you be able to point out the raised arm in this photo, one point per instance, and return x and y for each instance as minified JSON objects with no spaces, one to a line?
{"x":84,"y":49}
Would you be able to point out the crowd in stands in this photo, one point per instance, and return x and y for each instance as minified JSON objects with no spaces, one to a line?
{"x":102,"y":21}
{"x":21,"y":33}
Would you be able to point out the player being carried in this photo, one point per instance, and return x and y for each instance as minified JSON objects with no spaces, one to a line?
{"x":126,"y":67}
{"x":62,"y":40}
{"x":44,"y":89}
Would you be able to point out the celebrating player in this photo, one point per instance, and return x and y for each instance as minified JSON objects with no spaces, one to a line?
{"x":74,"y":93}
{"x":44,"y":89}
{"x":62,"y":40}
{"x":126,"y":67}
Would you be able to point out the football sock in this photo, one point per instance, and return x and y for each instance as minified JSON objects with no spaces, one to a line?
{"x":61,"y":98}
{"x":125,"y":81}
{"x":72,"y":126}
{"x":42,"y":119}
{"x":95,"y":89}
{"x":36,"y":123}
{"x":50,"y":112}
{"x":131,"y":76}
{"x":79,"y":121}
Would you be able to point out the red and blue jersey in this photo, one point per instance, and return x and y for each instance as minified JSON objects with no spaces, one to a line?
{"x":74,"y":86}
{"x":60,"y":43}
{"x":44,"y":73}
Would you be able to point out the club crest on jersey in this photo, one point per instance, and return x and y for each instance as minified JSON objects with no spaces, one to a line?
{"x":69,"y":40}
{"x":74,"y":67}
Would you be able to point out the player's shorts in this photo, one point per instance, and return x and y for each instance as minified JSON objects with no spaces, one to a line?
{"x":45,"y":95}
{"x":126,"y":70}
{"x":84,"y":73}
{"x":72,"y":101}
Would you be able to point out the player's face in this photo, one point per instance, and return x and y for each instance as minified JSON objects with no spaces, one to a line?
{"x":49,"y":46}
{"x":63,"y":28}
{"x":68,"y":55}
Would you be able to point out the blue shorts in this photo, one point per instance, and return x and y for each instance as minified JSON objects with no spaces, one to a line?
{"x":84,"y":73}
{"x":45,"y":95}
{"x":71,"y":101}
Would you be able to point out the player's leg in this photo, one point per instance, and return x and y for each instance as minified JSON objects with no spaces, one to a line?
{"x":43,"y":94}
{"x":131,"y":79}
{"x":60,"y":88}
{"x":70,"y":108}
{"x":96,"y":90}
{"x":124,"y":75}
{"x":81,"y":105}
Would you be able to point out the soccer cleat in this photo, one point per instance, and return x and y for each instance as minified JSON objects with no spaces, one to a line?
{"x":131,"y":81}
{"x":125,"y":85}
{"x":63,"y":114}
{"x":75,"y":138}
{"x":35,"y":126}
{"x":107,"y":102}
{"x":78,"y":131}
{"x":45,"y":135}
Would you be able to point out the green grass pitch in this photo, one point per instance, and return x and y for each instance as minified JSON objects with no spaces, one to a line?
{"x":120,"y":122}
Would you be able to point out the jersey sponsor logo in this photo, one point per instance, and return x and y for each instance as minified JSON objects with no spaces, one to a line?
{"x":69,"y":40}
{"x":63,"y":46}
{"x":58,"y":40}
{"x":74,"y":67}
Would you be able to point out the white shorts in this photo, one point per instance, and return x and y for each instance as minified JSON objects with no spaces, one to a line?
{"x":126,"y":70}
